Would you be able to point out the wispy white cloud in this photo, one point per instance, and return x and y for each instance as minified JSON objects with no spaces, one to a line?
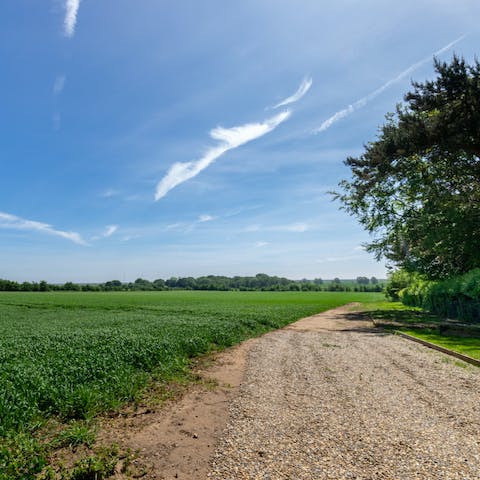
{"x":206,"y":218}
{"x":302,"y":90}
{"x":16,"y":223}
{"x":229,"y":139}
{"x":59,"y":84}
{"x":363,"y":101}
{"x":108,"y":232}
{"x":70,"y":21}
{"x":188,"y":226}
{"x":175,"y":226}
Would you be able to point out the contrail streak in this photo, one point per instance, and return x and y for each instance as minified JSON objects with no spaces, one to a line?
{"x":302,"y":90}
{"x":71,"y":12}
{"x":228,"y":138}
{"x":13,"y":222}
{"x":363,"y":101}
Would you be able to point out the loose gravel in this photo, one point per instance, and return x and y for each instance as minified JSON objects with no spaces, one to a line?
{"x":331,"y":399}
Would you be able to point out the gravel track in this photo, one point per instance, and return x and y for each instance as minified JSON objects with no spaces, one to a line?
{"x":329,"y":398}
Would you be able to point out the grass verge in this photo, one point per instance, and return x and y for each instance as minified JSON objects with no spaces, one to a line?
{"x":466,"y":346}
{"x":414,"y":321}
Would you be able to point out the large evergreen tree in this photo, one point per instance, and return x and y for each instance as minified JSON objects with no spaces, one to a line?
{"x":416,"y":188}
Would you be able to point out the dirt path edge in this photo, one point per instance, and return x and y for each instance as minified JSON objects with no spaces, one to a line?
{"x":178,"y":441}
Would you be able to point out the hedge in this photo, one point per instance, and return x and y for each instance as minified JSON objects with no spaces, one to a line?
{"x":457,"y":297}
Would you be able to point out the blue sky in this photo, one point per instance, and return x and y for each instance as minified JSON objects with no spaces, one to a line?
{"x":159,"y":138}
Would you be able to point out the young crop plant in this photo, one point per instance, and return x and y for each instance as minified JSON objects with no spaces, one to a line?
{"x":70,"y":356}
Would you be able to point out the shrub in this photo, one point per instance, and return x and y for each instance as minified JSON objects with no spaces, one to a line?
{"x":397,"y":281}
{"x":457,"y":297}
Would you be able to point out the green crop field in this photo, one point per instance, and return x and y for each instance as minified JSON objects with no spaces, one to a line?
{"x":74,"y":355}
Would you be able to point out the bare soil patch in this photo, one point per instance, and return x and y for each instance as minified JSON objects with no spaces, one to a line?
{"x":178,"y":439}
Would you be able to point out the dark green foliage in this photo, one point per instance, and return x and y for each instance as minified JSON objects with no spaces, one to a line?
{"x":457,"y":297}
{"x":417,"y":187}
{"x":100,"y":465}
{"x":397,"y":281}
{"x":260,"y":282}
{"x":113,"y":285}
{"x":21,"y":457}
{"x":77,"y":433}
{"x":96,"y":467}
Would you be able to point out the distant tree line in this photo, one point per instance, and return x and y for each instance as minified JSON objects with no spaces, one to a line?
{"x":261,"y":281}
